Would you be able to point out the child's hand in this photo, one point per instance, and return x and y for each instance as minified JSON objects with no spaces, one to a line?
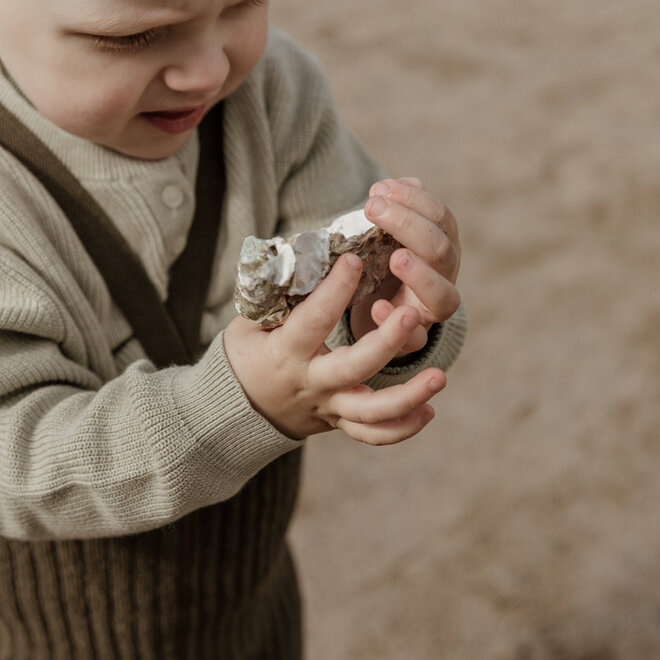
{"x":294,"y":381}
{"x":425,"y":270}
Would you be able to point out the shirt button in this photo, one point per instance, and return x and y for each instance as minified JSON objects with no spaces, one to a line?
{"x":172,"y":196}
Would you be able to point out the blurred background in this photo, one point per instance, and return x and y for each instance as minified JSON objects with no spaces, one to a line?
{"x":524,"y":524}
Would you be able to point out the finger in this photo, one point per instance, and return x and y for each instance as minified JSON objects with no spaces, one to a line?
{"x":438,"y":295}
{"x":416,"y":341}
{"x":381,"y":309}
{"x":441,"y":258}
{"x":414,"y":231}
{"x":390,"y":432}
{"x":414,"y":197}
{"x":350,"y":365}
{"x":365,"y":406}
{"x":312,"y":320}
{"x":404,"y":180}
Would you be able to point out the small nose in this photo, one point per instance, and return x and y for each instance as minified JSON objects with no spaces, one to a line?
{"x":200,"y":67}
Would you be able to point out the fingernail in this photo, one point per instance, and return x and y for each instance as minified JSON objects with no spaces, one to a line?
{"x":429,"y":414}
{"x":435,"y":385}
{"x":380,"y":188}
{"x":377,"y":207}
{"x":409,"y":323}
{"x":403,"y":260}
{"x":354,"y":262}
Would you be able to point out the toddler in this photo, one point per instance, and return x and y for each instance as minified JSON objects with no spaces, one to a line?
{"x":150,"y":439}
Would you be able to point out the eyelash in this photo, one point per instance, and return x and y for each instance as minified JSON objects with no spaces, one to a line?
{"x":246,"y":5}
{"x":134,"y":42}
{"x":127,"y":43}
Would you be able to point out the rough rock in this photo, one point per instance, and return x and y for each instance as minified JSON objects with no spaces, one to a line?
{"x":275,"y":274}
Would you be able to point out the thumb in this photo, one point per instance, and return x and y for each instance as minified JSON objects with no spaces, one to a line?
{"x":313,"y":319}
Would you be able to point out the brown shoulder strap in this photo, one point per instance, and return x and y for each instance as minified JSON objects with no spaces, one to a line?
{"x":154,"y":324}
{"x":190,"y":274}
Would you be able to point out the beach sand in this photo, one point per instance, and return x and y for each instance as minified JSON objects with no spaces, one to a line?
{"x":524,"y":522}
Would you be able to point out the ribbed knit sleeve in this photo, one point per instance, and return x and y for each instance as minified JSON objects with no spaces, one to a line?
{"x":80,"y":457}
{"x":445,"y":341}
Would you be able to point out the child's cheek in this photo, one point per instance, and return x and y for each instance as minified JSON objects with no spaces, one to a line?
{"x":93,"y":110}
{"x":244,"y":53}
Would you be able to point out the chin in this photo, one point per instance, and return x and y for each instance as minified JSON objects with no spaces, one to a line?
{"x":152,"y":149}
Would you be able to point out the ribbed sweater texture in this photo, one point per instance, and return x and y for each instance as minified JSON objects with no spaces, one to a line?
{"x":143,"y":509}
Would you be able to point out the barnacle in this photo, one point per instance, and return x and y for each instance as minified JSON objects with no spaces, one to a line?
{"x":275,"y":274}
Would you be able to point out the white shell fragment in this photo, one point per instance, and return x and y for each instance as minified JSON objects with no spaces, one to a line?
{"x":275,"y":274}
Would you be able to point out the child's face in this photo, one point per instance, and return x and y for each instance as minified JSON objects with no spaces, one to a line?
{"x":134,"y":75}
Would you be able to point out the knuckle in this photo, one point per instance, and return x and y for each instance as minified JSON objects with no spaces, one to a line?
{"x":450,"y":303}
{"x":407,"y":399}
{"x":361,"y":434}
{"x":332,"y":420}
{"x":394,"y":435}
{"x":443,"y":214}
{"x":406,"y":221}
{"x":430,"y":281}
{"x":345,"y":292}
{"x":337,"y":371}
{"x":413,"y":428}
{"x":405,"y":193}
{"x":450,"y":226}
{"x":445,"y":219}
{"x":347,"y":282}
{"x":443,"y":250}
{"x":344,"y":374}
{"x":402,"y":434}
{"x":391,"y":339}
{"x":367,"y":417}
{"x":317,"y":321}
{"x":378,"y":439}
{"x":341,"y":352}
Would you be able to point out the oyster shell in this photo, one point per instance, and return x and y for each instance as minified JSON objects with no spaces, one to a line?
{"x":275,"y":274}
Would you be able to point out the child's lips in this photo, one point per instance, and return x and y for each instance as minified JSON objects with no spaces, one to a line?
{"x":176,"y":121}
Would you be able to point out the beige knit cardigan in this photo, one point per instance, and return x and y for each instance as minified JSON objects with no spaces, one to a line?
{"x":94,"y":440}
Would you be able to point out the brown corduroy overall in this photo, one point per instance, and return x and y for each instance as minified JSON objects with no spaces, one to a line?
{"x":218,"y":583}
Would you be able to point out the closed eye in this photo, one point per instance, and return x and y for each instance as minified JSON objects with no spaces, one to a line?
{"x":243,"y":6}
{"x":134,"y":42}
{"x":125,"y":43}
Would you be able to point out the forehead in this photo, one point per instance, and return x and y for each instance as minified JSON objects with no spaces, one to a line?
{"x":118,"y":10}
{"x":138,"y":5}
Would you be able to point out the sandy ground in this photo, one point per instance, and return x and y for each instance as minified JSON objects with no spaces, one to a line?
{"x":525,"y":523}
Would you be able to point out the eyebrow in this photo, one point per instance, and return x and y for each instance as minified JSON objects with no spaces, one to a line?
{"x":131,"y":19}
